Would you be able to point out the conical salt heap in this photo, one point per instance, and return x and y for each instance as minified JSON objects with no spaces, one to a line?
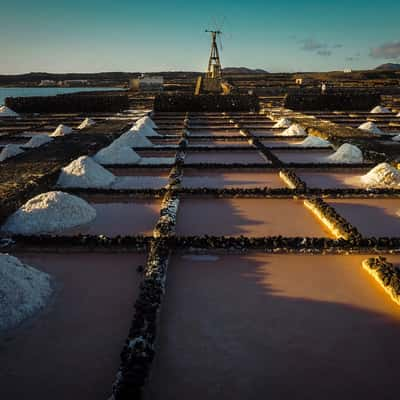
{"x":346,"y":154}
{"x":38,"y":140}
{"x":62,"y":130}
{"x":380,"y":110}
{"x":7,"y":112}
{"x":283,"y":123}
{"x":86,"y":123}
{"x":23,"y":291}
{"x":49,"y":213}
{"x":115,"y":154}
{"x":85,"y":173}
{"x":383,"y":175}
{"x":133,"y":139}
{"x":370,"y":127}
{"x":145,"y":126}
{"x":294,"y":130}
{"x":315,"y":141}
{"x":10,"y":150}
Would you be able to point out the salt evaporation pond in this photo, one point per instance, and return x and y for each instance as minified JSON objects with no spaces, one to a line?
{"x":231,"y":179}
{"x":208,"y":132}
{"x":139,"y":178}
{"x":225,"y":157}
{"x":275,"y":326}
{"x":119,"y":216}
{"x":331,"y":180}
{"x":249,"y":217}
{"x":217,"y":143}
{"x":372,"y":217}
{"x":71,"y":350}
{"x":46,"y":91}
{"x":302,"y":156}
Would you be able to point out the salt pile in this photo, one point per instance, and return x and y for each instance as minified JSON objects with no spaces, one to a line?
{"x":10,"y":150}
{"x":315,"y":141}
{"x":146,"y":121}
{"x":383,"y":175}
{"x":86,"y":123}
{"x":396,"y":138}
{"x":398,"y":115}
{"x":370,"y":127}
{"x":283,"y":123}
{"x":85,"y":173}
{"x":62,"y":130}
{"x":133,"y":139}
{"x":23,"y":291}
{"x":7,"y":112}
{"x":380,"y":110}
{"x":116,"y":153}
{"x":346,"y":154}
{"x":294,"y":130}
{"x":145,"y":126}
{"x":49,"y":212}
{"x":38,"y":140}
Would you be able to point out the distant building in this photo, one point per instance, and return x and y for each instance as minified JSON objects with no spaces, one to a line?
{"x":347,"y":70}
{"x":303,"y":81}
{"x":147,"y":83}
{"x":74,"y":83}
{"x":47,"y":83}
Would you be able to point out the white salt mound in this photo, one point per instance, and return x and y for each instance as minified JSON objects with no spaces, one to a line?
{"x":145,"y":126}
{"x":85,"y":173}
{"x":116,"y":153}
{"x":346,"y":154}
{"x":383,"y":175}
{"x":380,"y":110}
{"x":38,"y":140}
{"x":396,"y":138}
{"x":133,"y":139}
{"x":315,"y":141}
{"x":294,"y":130}
{"x":23,"y":291}
{"x":86,"y":123}
{"x":283,"y":123}
{"x":62,"y":130}
{"x":48,"y":213}
{"x":370,"y":127}
{"x":7,"y":112}
{"x":10,"y":150}
{"x":147,"y":121}
{"x":398,"y":115}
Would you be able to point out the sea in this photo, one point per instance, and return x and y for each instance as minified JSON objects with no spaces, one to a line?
{"x":44,"y":91}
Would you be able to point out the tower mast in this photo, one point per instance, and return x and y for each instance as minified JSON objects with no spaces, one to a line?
{"x":214,"y":63}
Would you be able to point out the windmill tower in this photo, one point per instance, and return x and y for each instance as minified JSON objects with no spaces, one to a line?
{"x":212,"y":81}
{"x":214,"y":69}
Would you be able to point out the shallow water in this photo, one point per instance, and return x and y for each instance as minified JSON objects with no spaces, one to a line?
{"x":45,"y":91}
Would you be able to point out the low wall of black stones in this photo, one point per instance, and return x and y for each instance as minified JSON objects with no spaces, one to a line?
{"x":332,"y":101}
{"x":205,"y":103}
{"x":69,"y":103}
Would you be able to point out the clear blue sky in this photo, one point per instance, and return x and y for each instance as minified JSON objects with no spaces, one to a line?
{"x":99,"y":35}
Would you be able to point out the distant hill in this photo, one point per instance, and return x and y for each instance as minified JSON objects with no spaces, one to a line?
{"x":243,"y":70}
{"x":388,"y":67}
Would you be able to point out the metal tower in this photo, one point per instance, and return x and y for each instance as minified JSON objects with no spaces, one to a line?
{"x":214,"y":63}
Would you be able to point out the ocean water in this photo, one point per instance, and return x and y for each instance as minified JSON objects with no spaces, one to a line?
{"x":44,"y":91}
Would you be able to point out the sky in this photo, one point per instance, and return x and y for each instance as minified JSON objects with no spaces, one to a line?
{"x":148,"y":36}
